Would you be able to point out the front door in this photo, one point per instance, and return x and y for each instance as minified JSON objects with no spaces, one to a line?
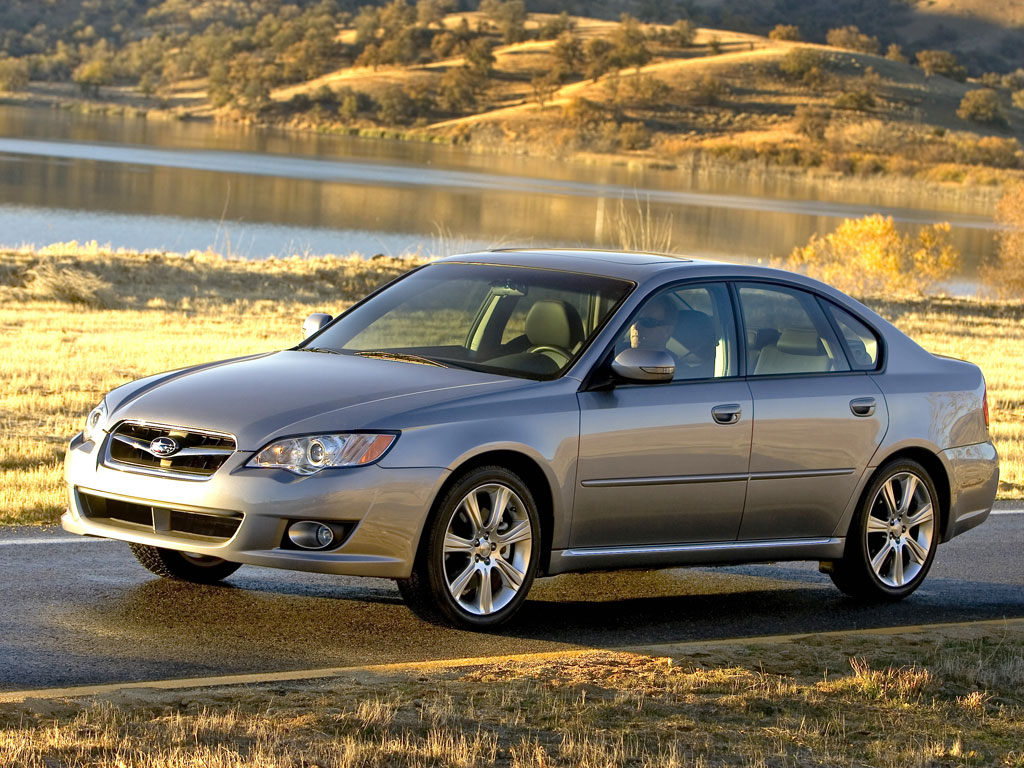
{"x":667,"y":463}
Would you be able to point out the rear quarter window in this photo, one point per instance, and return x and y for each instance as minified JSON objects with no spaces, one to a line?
{"x":862,"y":344}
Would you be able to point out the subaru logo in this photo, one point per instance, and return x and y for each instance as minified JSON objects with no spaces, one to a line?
{"x":163,"y":446}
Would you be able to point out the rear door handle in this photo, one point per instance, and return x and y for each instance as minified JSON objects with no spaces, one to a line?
{"x":863,"y":406}
{"x":727,"y":414}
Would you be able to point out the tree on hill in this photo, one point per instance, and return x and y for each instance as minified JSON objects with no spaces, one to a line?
{"x":458,"y":91}
{"x":480,"y":58}
{"x":93,"y":73}
{"x":568,"y":52}
{"x":982,"y":106}
{"x":509,"y":16}
{"x":786,"y":32}
{"x":13,"y":74}
{"x":629,"y":44}
{"x":432,"y":12}
{"x":852,"y":39}
{"x":936,"y":62}
{"x":597,"y":53}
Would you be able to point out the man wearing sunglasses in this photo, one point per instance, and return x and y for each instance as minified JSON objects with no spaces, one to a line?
{"x":653,"y":326}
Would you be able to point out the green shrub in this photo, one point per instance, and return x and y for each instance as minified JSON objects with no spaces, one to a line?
{"x":852,"y":39}
{"x":982,"y":106}
{"x":1006,"y":273}
{"x":805,"y":65}
{"x":786,"y":32}
{"x":812,"y":121}
{"x":859,"y":100}
{"x":935,"y":62}
{"x":871,"y":256}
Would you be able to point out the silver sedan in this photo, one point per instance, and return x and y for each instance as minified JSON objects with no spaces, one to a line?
{"x":499,"y":416}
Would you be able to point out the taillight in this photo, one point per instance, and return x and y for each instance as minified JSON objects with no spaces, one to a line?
{"x":984,"y":404}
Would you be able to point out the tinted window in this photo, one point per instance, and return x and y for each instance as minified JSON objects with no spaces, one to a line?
{"x":861,"y":342}
{"x":694,"y":324}
{"x":787,"y":332}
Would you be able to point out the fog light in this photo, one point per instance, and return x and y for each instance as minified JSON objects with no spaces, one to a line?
{"x":309,"y":534}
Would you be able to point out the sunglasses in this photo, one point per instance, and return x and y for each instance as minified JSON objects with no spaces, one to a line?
{"x":651,"y":322}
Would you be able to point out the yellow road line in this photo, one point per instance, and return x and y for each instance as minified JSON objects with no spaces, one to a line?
{"x":659,"y":649}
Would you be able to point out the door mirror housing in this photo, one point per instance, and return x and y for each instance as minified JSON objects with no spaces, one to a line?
{"x":314,"y":323}
{"x":645,"y":366}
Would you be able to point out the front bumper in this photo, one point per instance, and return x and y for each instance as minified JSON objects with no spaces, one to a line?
{"x":384,"y":508}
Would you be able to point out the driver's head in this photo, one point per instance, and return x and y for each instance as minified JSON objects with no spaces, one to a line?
{"x":653,"y":326}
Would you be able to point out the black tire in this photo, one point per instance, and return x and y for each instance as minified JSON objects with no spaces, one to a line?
{"x":865,"y":571}
{"x":183,"y":566}
{"x":427,"y":590}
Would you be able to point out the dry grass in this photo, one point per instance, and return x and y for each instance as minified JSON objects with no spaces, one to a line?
{"x":991,"y":335}
{"x":913,"y":700}
{"x":63,"y":350}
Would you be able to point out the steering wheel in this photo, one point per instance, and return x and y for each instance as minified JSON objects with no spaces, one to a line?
{"x":551,"y":348}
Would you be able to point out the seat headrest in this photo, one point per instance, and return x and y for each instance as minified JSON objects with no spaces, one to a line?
{"x":555,"y":324}
{"x":695,"y":331}
{"x":794,"y":341}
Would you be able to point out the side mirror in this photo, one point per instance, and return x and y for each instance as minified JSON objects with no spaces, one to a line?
{"x":644,"y":365}
{"x":314,"y":323}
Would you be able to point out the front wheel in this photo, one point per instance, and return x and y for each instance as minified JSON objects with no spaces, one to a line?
{"x":480,"y":552}
{"x":893,"y":537}
{"x":184,"y":566}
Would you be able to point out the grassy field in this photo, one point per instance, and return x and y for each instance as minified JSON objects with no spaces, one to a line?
{"x":79,"y":321}
{"x":946,"y":698}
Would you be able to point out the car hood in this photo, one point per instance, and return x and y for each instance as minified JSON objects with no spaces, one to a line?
{"x":259,"y":398}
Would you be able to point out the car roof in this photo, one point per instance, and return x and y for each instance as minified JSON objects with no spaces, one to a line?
{"x":629,"y":265}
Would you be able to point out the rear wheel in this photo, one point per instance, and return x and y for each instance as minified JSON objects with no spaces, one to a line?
{"x":183,"y":566}
{"x":479,"y":554}
{"x":893,"y":537}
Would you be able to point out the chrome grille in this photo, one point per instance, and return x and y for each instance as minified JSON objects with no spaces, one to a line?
{"x":186,"y":452}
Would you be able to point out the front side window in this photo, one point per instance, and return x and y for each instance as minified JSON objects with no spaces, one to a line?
{"x":694,"y":324}
{"x":509,"y":320}
{"x":787,"y":332}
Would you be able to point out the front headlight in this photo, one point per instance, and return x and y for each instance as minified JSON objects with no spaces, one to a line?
{"x":309,"y":454}
{"x":94,"y":422}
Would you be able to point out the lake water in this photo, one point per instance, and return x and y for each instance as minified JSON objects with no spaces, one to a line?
{"x":253,"y":193}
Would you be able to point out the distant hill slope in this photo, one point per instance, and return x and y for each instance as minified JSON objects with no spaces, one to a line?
{"x":988,"y":35}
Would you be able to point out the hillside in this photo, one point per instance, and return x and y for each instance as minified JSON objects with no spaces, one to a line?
{"x":560,"y":85}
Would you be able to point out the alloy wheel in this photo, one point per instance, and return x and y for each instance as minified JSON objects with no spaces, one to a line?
{"x":487,"y":548}
{"x":900,"y":530}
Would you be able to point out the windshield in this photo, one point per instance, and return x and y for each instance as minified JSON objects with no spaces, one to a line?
{"x":510,"y":320}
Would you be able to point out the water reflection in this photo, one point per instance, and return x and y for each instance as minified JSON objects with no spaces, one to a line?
{"x":186,"y":185}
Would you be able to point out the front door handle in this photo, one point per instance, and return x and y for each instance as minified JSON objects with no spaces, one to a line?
{"x":863,"y":406}
{"x":727,"y":414}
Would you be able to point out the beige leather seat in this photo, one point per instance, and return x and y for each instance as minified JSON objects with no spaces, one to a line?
{"x":797,"y":351}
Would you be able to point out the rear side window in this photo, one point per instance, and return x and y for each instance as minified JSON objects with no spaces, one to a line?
{"x":862,"y":345}
{"x":787,"y":332}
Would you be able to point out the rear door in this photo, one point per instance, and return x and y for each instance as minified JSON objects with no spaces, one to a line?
{"x":817,"y":418}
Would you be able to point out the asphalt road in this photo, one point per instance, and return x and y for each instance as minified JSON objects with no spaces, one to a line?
{"x":83,"y":611}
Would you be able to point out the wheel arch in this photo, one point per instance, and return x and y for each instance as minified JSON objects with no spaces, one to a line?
{"x":531,"y":473}
{"x":936,"y":470}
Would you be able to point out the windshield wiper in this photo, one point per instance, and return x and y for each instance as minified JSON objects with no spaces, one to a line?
{"x":325,"y":350}
{"x":402,"y":357}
